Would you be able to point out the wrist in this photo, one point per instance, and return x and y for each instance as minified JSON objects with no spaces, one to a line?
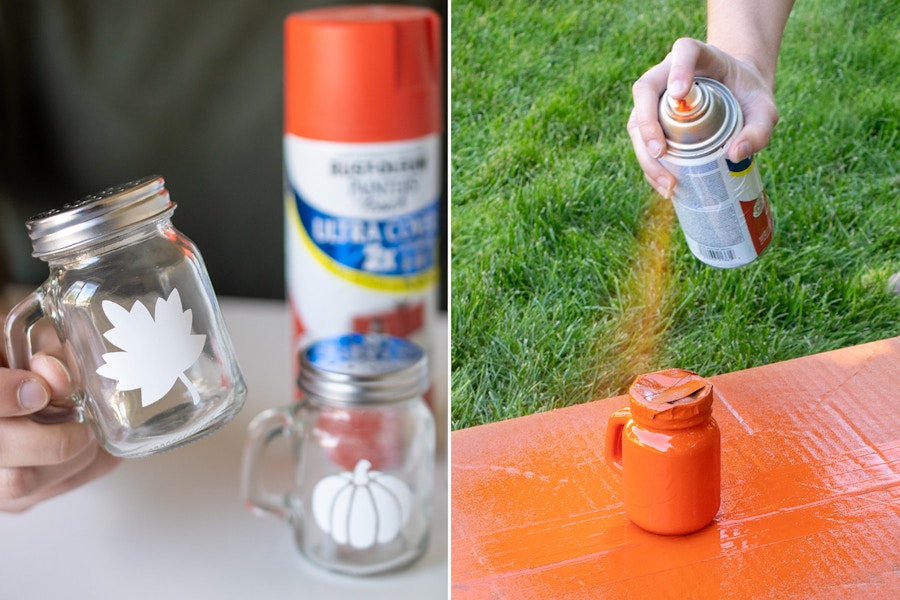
{"x":762,"y":68}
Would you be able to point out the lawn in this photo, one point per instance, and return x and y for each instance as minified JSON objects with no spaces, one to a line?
{"x":569,"y":276}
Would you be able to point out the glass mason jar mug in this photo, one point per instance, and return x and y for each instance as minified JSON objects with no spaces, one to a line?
{"x":363,"y":444}
{"x":129,"y":297}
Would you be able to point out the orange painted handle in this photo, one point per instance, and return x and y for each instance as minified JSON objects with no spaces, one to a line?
{"x":614,"y":427}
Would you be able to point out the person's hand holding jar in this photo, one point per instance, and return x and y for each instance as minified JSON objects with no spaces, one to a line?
{"x":39,"y":460}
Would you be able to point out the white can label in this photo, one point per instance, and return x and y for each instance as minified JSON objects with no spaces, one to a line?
{"x":722,"y":208}
{"x":362,"y":225}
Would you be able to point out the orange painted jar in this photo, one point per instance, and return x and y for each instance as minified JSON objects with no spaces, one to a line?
{"x":667,"y":446}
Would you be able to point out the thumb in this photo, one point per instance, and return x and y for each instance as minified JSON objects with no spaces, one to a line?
{"x":22,"y":392}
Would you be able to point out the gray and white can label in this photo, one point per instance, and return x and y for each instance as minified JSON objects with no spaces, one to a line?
{"x":362,"y":223}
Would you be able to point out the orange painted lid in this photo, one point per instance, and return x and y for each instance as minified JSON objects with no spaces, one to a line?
{"x":671,"y":398}
{"x":368,"y":73}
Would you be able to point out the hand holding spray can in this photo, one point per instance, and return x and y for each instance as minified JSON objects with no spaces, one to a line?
{"x":721,"y":206}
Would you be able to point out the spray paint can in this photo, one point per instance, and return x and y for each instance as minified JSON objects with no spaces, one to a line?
{"x":363,"y":156}
{"x":721,"y":206}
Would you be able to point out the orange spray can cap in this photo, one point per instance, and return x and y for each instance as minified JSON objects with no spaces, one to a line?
{"x":367,"y":73}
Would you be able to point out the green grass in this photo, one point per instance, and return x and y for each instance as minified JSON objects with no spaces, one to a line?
{"x":548,"y":203}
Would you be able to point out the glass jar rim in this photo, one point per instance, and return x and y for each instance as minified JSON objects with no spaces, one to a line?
{"x":363,"y":369}
{"x":97,"y":216}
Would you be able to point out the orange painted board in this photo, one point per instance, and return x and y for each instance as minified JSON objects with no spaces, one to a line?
{"x":810,"y":495}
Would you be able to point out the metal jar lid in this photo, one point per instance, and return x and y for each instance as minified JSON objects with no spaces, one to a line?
{"x":358,"y":368}
{"x":98,"y":215}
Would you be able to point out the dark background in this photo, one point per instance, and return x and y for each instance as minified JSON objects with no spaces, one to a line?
{"x":97,"y":93}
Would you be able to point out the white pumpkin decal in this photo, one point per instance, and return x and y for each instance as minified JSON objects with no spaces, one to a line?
{"x":362,"y":508}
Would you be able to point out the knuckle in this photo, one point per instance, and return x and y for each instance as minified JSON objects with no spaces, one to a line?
{"x":639,"y":85}
{"x":775,"y":116}
{"x":68,"y":445}
{"x":683,"y":43}
{"x":17,"y":483}
{"x":631,"y":124}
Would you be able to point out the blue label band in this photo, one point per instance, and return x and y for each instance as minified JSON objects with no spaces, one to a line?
{"x":395,"y":253}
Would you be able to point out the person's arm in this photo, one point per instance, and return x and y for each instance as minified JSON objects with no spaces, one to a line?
{"x":743,"y":41}
{"x":750,"y":31}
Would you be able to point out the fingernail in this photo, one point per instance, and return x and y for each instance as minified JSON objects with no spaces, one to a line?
{"x":655,"y":148}
{"x":52,"y":360}
{"x":742,"y":152}
{"x":62,"y":367}
{"x":677,"y":87}
{"x":32,"y":395}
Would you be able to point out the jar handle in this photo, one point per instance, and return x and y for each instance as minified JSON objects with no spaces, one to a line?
{"x":613,"y":446}
{"x":263,"y":429}
{"x":17,"y":329}
{"x":17,"y":334}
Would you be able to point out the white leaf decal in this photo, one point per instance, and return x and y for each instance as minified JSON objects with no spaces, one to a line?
{"x":156,"y":352}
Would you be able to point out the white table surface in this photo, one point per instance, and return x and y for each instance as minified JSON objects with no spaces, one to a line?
{"x":173,"y":526}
